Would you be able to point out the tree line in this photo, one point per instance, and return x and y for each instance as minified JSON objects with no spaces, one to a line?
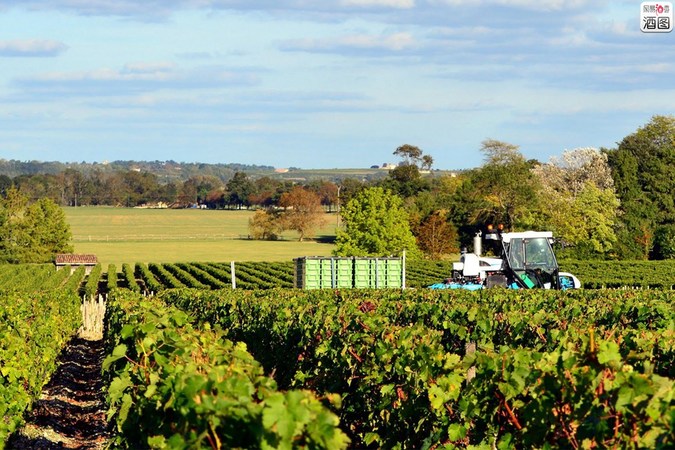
{"x":616,"y":203}
{"x":130,"y":188}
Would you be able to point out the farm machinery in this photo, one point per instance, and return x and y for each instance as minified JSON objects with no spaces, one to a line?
{"x":526,"y":261}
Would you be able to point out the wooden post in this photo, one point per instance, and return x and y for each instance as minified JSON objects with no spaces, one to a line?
{"x":232,"y":275}
{"x":470,"y":349}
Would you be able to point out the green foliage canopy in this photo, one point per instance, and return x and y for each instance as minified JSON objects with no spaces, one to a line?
{"x":32,"y":233}
{"x":577,"y":201}
{"x":501,"y":191}
{"x":375,"y":224}
{"x":643,"y":167}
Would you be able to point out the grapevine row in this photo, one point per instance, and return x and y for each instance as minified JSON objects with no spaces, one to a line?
{"x":90,"y":288}
{"x":174,"y":386}
{"x":111,"y":281}
{"x":33,"y":330}
{"x":548,"y":369}
{"x":204,"y":277}
{"x":129,"y":277}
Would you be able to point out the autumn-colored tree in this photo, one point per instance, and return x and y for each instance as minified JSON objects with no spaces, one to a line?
{"x":264,"y":225}
{"x":327,"y":192}
{"x":436,"y":236}
{"x":302,"y":211}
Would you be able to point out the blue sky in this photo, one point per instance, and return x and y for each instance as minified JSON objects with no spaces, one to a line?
{"x":324,"y":84}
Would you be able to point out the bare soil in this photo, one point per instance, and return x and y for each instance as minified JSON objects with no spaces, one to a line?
{"x":71,"y":412}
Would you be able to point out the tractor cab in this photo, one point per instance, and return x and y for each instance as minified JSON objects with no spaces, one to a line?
{"x":529,"y":260}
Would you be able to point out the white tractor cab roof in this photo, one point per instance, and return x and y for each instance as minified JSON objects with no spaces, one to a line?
{"x":506,"y":237}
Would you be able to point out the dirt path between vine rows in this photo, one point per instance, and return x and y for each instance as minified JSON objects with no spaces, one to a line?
{"x":71,"y":411}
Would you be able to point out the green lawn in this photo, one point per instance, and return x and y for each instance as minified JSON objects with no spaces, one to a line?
{"x":119,"y":235}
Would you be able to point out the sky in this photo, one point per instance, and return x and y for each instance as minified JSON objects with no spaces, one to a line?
{"x":324,"y":83}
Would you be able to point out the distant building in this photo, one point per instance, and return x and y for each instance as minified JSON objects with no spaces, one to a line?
{"x":75,"y":260}
{"x":388,"y":166}
{"x":281,"y":170}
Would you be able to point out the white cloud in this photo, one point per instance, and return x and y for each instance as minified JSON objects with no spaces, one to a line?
{"x":549,"y":5}
{"x":657,"y":68}
{"x":394,"y":42}
{"x":399,"y":4}
{"x":31,"y":47}
{"x":536,"y":5}
{"x":133,"y":79}
{"x":148,"y":67}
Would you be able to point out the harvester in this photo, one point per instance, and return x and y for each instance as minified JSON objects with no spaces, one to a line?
{"x":526,"y":261}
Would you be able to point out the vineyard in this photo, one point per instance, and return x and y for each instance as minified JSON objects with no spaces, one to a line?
{"x":154,"y":277}
{"x":193,"y":363}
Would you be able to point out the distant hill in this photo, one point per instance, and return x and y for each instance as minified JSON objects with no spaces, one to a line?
{"x":165,"y":170}
{"x":168,"y":171}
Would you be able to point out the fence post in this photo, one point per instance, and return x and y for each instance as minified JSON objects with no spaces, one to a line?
{"x":232,"y":275}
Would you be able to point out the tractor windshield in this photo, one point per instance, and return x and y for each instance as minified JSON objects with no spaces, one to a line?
{"x":533,"y":261}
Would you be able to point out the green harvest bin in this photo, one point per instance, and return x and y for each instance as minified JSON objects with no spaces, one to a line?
{"x":346,"y":273}
{"x":393,"y":273}
{"x":326,"y":268}
{"x":378,"y":273}
{"x":307,"y":273}
{"x":362,"y":273}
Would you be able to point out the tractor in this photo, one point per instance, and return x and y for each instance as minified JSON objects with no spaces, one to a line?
{"x":526,"y":261}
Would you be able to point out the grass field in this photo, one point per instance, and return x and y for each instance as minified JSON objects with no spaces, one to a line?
{"x":119,"y":235}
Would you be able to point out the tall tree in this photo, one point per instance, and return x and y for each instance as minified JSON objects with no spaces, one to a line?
{"x":502,"y":190}
{"x":303,"y":212}
{"x":140,"y":187}
{"x":31,"y":233}
{"x":643,"y":167}
{"x":427,"y":162}
{"x":411,"y":154}
{"x":437,"y":236}
{"x":406,"y":179}
{"x":577,"y":201}
{"x":74,"y":186}
{"x":48,"y":230}
{"x":326,"y":190}
{"x":39,"y":186}
{"x":375,"y":224}
{"x":238,"y":190}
